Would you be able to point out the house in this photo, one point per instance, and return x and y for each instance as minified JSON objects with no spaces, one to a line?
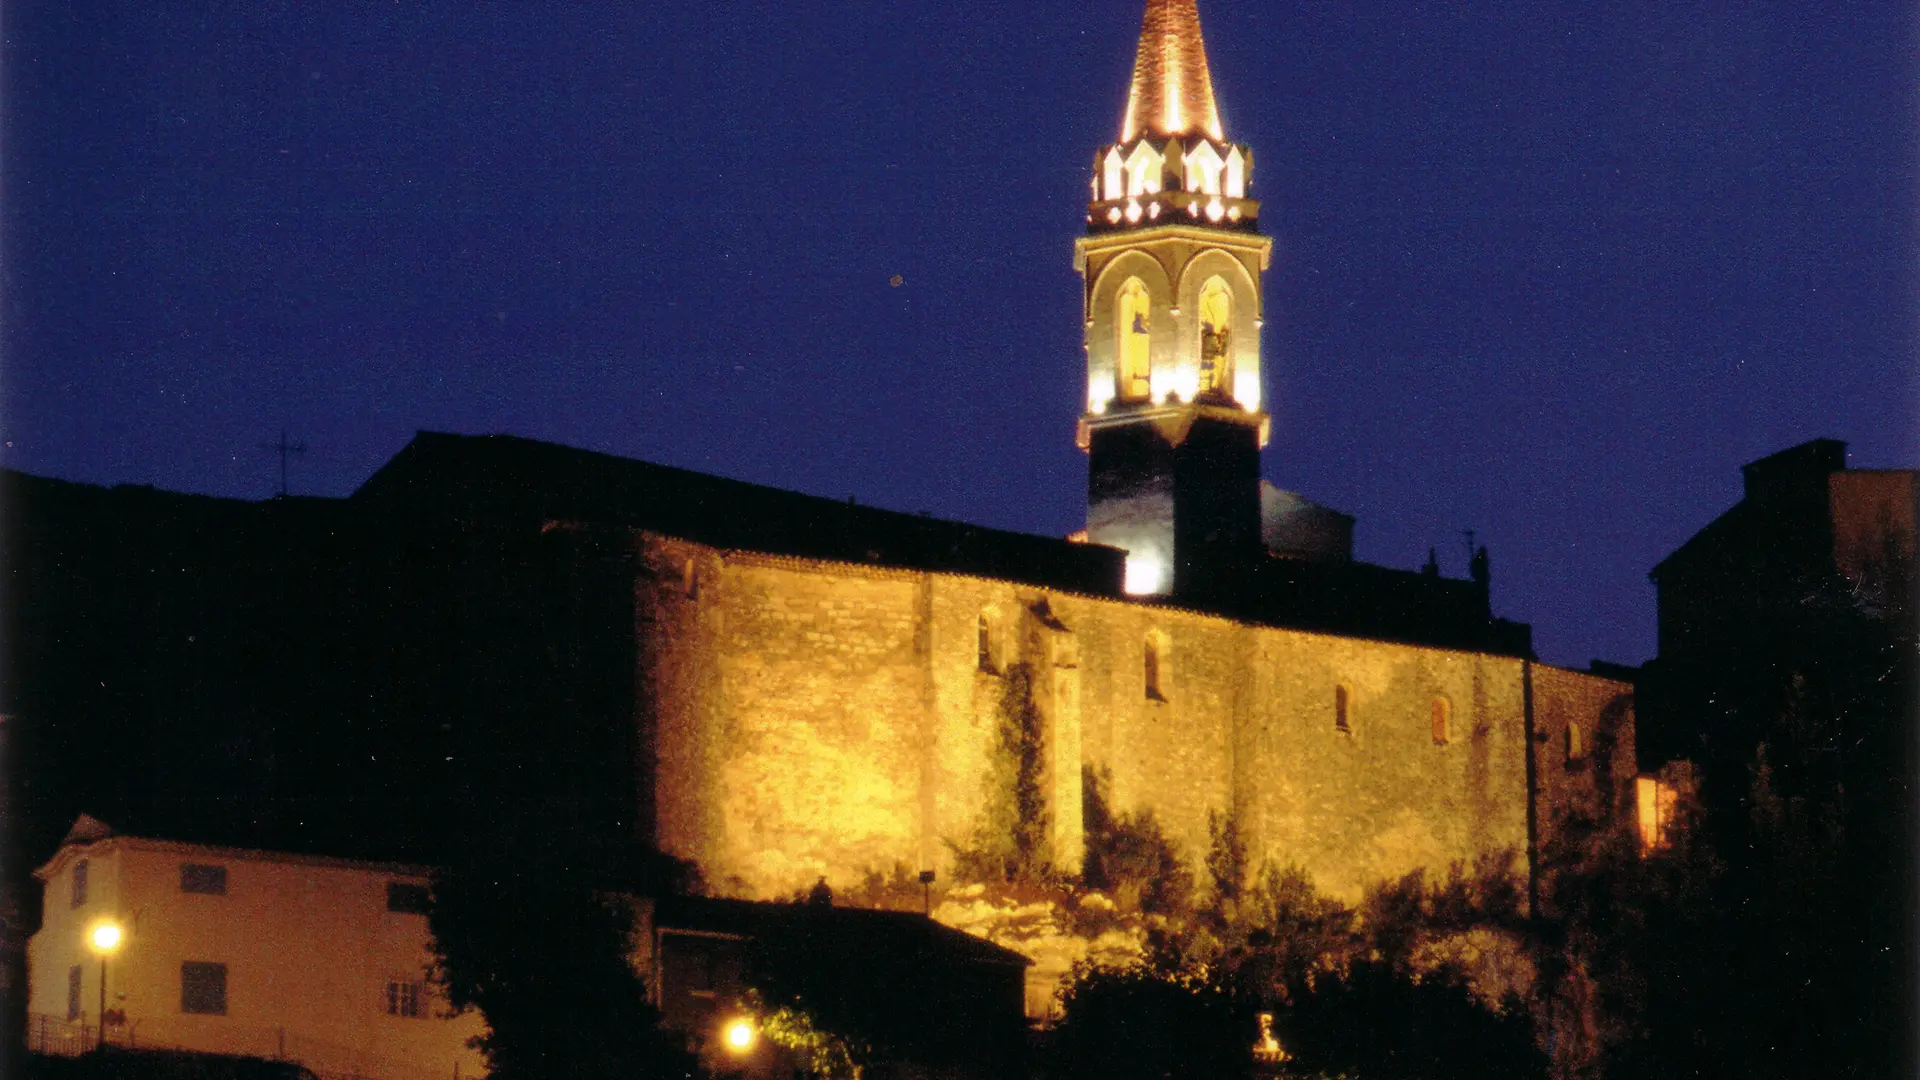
{"x":303,"y":958}
{"x":322,"y":962}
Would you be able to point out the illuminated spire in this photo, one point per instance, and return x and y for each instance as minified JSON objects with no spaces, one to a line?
{"x":1172,"y":93}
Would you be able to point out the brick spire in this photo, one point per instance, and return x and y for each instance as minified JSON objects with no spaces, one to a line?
{"x":1172,"y":93}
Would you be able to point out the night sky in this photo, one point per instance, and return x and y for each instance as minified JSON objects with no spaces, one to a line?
{"x":1549,"y":271}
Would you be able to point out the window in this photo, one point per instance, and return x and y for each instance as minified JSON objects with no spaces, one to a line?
{"x":203,"y":988}
{"x":408,"y":899}
{"x":80,"y":883}
{"x":1576,"y":744}
{"x":73,"y":993}
{"x":1155,"y":669}
{"x":1442,"y":721}
{"x":1216,"y":338}
{"x":986,"y":643}
{"x":404,"y":998}
{"x":204,"y":879}
{"x":1343,"y":710}
{"x":690,"y":579}
{"x":1658,"y":812}
{"x":1132,"y":314}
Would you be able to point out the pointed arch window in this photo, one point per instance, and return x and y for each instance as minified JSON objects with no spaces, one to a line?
{"x":1133,"y":327}
{"x":1216,"y":337}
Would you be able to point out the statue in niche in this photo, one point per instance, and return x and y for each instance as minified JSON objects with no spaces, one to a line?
{"x":1216,"y":339}
{"x":1135,"y":310}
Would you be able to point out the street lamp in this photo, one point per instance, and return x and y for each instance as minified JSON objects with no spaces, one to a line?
{"x":739,"y":1035}
{"x":104,"y":938}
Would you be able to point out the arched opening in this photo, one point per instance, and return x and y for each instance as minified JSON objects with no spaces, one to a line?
{"x":1343,"y":710}
{"x":1442,"y":721}
{"x":986,"y":643}
{"x":1134,"y":328}
{"x":1216,"y":338}
{"x":1113,"y":172}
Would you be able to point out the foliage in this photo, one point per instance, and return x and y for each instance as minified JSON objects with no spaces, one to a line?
{"x":1163,"y":1018}
{"x":1341,"y":1008}
{"x":1226,"y":861}
{"x":898,"y":889}
{"x":545,"y":956}
{"x":1378,"y":1023}
{"x":821,"y":1053}
{"x":1010,"y":842}
{"x":1128,"y":857}
{"x":1402,"y":916}
{"x":1292,"y":936}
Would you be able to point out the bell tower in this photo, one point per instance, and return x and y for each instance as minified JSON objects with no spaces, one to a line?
{"x":1172,"y":260}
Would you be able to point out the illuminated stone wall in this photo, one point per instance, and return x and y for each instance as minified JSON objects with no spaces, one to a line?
{"x":1589,"y":774}
{"x":823,"y":719}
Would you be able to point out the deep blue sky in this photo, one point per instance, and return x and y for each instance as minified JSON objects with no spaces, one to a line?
{"x":1551,"y":271}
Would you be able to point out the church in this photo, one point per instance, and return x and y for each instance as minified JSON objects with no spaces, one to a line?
{"x":783,"y":688}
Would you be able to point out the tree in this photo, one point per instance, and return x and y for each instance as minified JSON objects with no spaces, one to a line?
{"x":532,"y":940}
{"x":1159,"y":1018}
{"x":1372,"y":1022}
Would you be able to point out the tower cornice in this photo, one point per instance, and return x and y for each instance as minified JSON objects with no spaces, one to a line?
{"x":1102,"y":243}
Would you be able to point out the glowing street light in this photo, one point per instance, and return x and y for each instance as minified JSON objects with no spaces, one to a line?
{"x":104,"y":938}
{"x":739,"y":1035}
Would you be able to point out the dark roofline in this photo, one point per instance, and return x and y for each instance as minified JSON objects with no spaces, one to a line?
{"x":465,"y":475}
{"x":753,"y":918}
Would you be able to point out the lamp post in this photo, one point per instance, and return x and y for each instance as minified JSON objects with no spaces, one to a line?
{"x":739,"y":1035}
{"x":105,"y":939}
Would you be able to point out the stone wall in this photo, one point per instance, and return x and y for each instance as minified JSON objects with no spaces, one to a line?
{"x":814,"y":719}
{"x":1588,"y":776}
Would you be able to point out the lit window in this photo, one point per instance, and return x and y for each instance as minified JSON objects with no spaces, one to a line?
{"x":1657,"y":809}
{"x":203,"y":879}
{"x":1442,"y":721}
{"x":404,"y":998}
{"x":73,"y":993}
{"x":80,"y":883}
{"x":203,"y":988}
{"x":1343,"y":710}
{"x":690,"y":580}
{"x":1216,"y":338}
{"x":1576,"y":744}
{"x":1133,"y":325}
{"x":1155,"y":668}
{"x":408,"y":899}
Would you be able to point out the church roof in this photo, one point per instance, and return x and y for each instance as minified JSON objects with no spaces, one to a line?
{"x":483,"y":476}
{"x":1172,"y":93}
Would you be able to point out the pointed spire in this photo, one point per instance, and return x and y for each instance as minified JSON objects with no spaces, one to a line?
{"x":1172,"y":93}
